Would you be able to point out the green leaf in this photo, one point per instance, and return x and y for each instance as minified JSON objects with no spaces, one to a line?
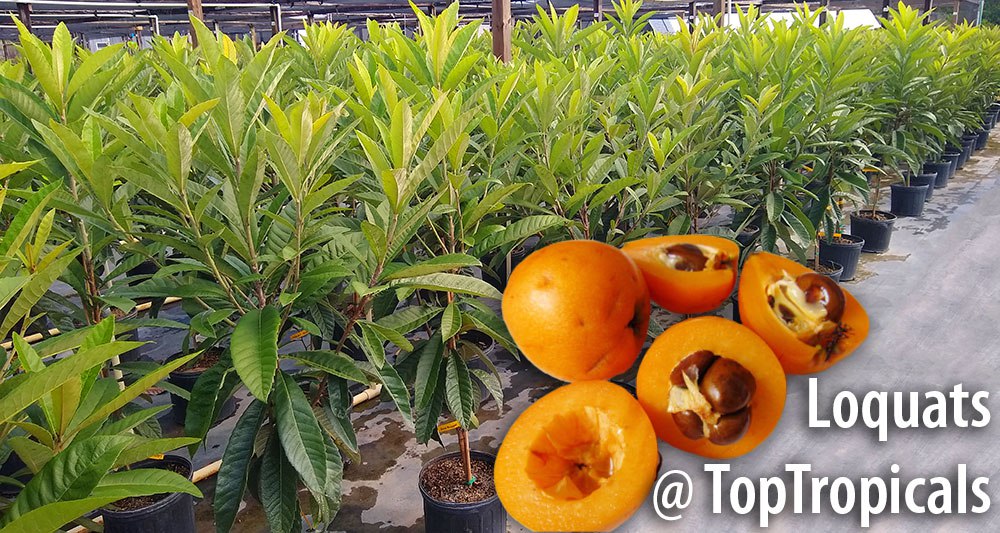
{"x":202,"y":404}
{"x":34,"y":455}
{"x":519,"y":231}
{"x":147,"y":448}
{"x":408,"y":319}
{"x":397,"y":391}
{"x":54,"y":516}
{"x":16,"y":396}
{"x":458,"y":391}
{"x":492,"y":383}
{"x":144,"y":482}
{"x":450,"y":283}
{"x":428,"y":369}
{"x":300,"y":435}
{"x":441,"y":263}
{"x":388,"y":334}
{"x":254,"y":348}
{"x":279,"y":490}
{"x":71,"y":475}
{"x":331,"y":362}
{"x":231,"y":481}
{"x":451,"y":321}
{"x":33,"y":291}
{"x":426,"y":420}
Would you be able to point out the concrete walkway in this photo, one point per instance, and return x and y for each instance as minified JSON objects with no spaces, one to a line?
{"x":934,"y":303}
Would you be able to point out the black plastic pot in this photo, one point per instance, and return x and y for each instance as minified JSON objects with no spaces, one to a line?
{"x":876,"y":233}
{"x":929,"y":180}
{"x":940,"y":170}
{"x":984,"y":136}
{"x":847,"y":254}
{"x":952,"y":157}
{"x":186,"y":381}
{"x":907,"y":200}
{"x":487,"y":516}
{"x":968,"y":144}
{"x":173,"y":514}
{"x":746,"y":237}
{"x":837,"y":270}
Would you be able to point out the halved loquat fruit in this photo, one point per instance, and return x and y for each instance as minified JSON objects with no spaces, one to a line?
{"x":809,"y":320}
{"x":711,"y":387}
{"x":582,"y":458}
{"x":686,"y":273}
{"x":578,"y":310}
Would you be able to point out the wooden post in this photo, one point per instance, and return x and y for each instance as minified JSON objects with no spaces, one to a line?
{"x":825,"y":4}
{"x":598,"y":10}
{"x":194,"y":9}
{"x":958,"y":9}
{"x":24,"y":13}
{"x":717,"y":6}
{"x":501,"y":25}
{"x":692,"y":11}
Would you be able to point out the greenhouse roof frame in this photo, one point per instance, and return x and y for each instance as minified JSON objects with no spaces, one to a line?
{"x":120,"y":18}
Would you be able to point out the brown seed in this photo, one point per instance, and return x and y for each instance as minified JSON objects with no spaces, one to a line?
{"x":690,"y":424}
{"x":728,"y":386}
{"x":689,"y":257}
{"x":730,"y":428}
{"x":694,"y":365}
{"x":820,"y":288}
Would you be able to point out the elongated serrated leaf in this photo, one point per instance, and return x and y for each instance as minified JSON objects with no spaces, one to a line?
{"x":492,"y":383}
{"x":397,"y":391}
{"x":144,"y":482}
{"x":54,"y":516}
{"x":231,"y":481}
{"x":149,"y":447}
{"x":425,"y":424}
{"x":254,"y":349}
{"x":17,"y":395}
{"x":279,"y":492}
{"x":408,"y":319}
{"x":458,"y":390}
{"x":331,"y":362}
{"x":451,"y":321}
{"x":299,"y":432}
{"x":201,"y":404}
{"x":428,"y":369}
{"x":519,"y":231}
{"x":442,"y":263}
{"x":71,"y":475}
{"x":451,"y":283}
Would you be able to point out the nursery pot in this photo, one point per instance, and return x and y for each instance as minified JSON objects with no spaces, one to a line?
{"x":171,"y":514}
{"x":835,"y":270}
{"x":747,"y":235}
{"x":941,"y":171}
{"x":968,"y":144}
{"x":983,"y":137}
{"x":876,"y":230}
{"x":487,"y":516}
{"x":952,"y":156}
{"x":186,"y":379}
{"x":929,"y":180}
{"x":908,"y":200}
{"x":847,"y":252}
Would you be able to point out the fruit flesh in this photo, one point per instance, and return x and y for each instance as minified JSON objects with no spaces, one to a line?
{"x":581,"y":458}
{"x":807,"y":337}
{"x":686,"y":273}
{"x":656,"y":385}
{"x":578,"y":310}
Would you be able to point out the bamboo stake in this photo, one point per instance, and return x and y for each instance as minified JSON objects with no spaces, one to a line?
{"x":463,"y":447}
{"x":31,"y":339}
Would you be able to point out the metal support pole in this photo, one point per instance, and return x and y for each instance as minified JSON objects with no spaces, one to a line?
{"x":24,"y":13}
{"x":501,"y":24}
{"x":276,"y":19}
{"x":154,"y":24}
{"x":598,"y":10}
{"x":692,"y":11}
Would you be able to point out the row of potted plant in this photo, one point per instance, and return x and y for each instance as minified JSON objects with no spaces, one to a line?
{"x":335,"y":213}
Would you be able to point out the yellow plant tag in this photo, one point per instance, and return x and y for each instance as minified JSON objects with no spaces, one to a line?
{"x":157,"y":457}
{"x":299,"y":334}
{"x":448,"y":426}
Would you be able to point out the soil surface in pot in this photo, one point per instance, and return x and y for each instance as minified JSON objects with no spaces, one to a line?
{"x":841,"y":240}
{"x":202,"y":363}
{"x":444,"y":481}
{"x":138,"y":502}
{"x":870,"y":216}
{"x":822,"y":268}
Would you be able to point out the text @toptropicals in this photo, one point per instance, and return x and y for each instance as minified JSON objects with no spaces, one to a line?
{"x":893,"y":491}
